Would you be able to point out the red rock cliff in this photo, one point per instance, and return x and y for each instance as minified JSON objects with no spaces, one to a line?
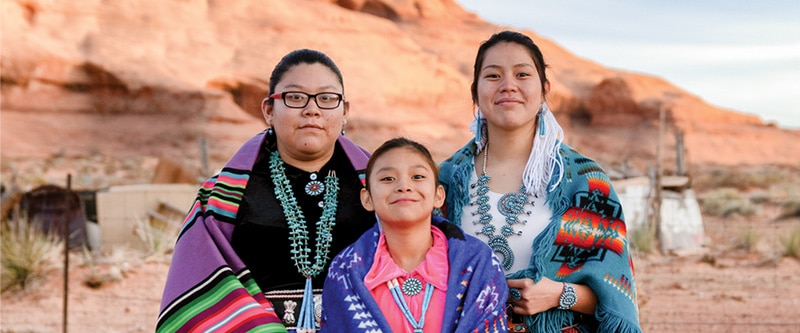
{"x":151,"y":77}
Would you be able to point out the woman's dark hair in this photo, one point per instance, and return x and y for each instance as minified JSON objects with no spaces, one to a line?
{"x":397,"y":143}
{"x":507,"y":37}
{"x":301,"y":56}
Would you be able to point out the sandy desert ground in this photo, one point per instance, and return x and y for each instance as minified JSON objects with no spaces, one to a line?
{"x":727,"y":288}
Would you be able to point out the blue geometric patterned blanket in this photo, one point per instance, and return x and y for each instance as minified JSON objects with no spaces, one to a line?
{"x":476,"y":290}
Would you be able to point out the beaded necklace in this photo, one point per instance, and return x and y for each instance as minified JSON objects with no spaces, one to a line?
{"x":298,"y":233}
{"x":510,"y":205}
{"x":401,"y":303}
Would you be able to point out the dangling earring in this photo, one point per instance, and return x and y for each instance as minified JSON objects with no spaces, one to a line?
{"x":542,"y":110}
{"x":344,"y":123}
{"x":270,"y":132}
{"x":477,"y":127}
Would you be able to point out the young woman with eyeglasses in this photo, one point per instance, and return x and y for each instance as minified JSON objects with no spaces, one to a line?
{"x":256,"y":246}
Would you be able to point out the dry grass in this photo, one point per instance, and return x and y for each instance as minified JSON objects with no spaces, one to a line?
{"x":643,"y":240}
{"x":791,"y":243}
{"x":743,"y":178}
{"x":727,"y":201}
{"x":159,"y":239}
{"x":791,"y":207}
{"x":28,"y":255}
{"x":748,"y":240}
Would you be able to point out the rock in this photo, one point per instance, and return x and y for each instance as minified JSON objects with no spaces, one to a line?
{"x":153,"y":77}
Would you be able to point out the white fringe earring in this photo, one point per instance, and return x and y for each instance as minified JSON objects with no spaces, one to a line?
{"x":478,"y":128}
{"x":544,"y":155}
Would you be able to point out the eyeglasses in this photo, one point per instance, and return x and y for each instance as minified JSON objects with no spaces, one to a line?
{"x":299,"y":99}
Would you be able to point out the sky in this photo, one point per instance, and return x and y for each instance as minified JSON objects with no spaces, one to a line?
{"x":741,"y":55}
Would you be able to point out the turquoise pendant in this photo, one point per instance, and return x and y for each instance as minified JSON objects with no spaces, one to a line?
{"x":412,"y":286}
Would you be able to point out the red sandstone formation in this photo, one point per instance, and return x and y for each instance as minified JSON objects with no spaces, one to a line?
{"x":151,"y":77}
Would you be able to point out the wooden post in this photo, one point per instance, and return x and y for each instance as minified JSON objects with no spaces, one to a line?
{"x":679,"y":152}
{"x":204,"y":173}
{"x":658,"y":177}
{"x":66,"y":251}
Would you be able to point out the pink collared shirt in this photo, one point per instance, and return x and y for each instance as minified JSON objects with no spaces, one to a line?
{"x":434,"y":269}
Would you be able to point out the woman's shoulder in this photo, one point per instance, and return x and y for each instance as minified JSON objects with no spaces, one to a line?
{"x":346,"y":142}
{"x":358,"y":155}
{"x":454,"y":232}
{"x":364,"y":244}
{"x":450,"y":230}
{"x":245,"y":156}
{"x":460,"y":158}
{"x":572,"y":156}
{"x":580,"y":169}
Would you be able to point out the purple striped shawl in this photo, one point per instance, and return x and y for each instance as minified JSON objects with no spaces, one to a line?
{"x":208,"y":285}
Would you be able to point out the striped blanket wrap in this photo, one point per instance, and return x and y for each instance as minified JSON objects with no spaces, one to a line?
{"x":209,"y":288}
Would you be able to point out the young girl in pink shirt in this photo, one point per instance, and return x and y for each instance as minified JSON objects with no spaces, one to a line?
{"x":412,"y":272}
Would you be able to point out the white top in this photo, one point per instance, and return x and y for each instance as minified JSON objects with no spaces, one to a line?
{"x":521,"y":245}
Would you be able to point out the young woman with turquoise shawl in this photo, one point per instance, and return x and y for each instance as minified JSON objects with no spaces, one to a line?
{"x":549,"y":212}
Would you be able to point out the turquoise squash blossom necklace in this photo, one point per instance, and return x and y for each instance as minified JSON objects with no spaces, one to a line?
{"x":298,"y":233}
{"x":511,"y":205}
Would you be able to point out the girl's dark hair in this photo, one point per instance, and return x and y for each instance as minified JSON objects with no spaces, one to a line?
{"x":507,"y":37}
{"x":397,"y":143}
{"x":301,"y":56}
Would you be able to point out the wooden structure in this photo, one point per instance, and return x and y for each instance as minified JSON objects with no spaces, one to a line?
{"x":680,"y":228}
{"x":142,"y":216}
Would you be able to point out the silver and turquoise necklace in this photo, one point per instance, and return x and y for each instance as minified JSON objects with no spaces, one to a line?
{"x":298,"y":233}
{"x":511,"y":205}
{"x":417,"y":325}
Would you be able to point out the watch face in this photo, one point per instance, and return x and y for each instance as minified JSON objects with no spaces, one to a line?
{"x":568,"y":297}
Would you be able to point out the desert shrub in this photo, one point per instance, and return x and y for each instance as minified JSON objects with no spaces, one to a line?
{"x":759,"y":197}
{"x":742,"y":179}
{"x":643,"y":239}
{"x":791,"y":207}
{"x":27,"y":255}
{"x":725,"y":202}
{"x":159,"y":238}
{"x":791,"y":243}
{"x":748,"y":239}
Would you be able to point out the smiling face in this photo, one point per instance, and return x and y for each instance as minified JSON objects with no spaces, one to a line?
{"x":310,"y":133}
{"x":509,"y":89}
{"x":402,"y":188}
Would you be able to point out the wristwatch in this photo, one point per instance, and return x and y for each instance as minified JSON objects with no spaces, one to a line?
{"x":568,"y":297}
